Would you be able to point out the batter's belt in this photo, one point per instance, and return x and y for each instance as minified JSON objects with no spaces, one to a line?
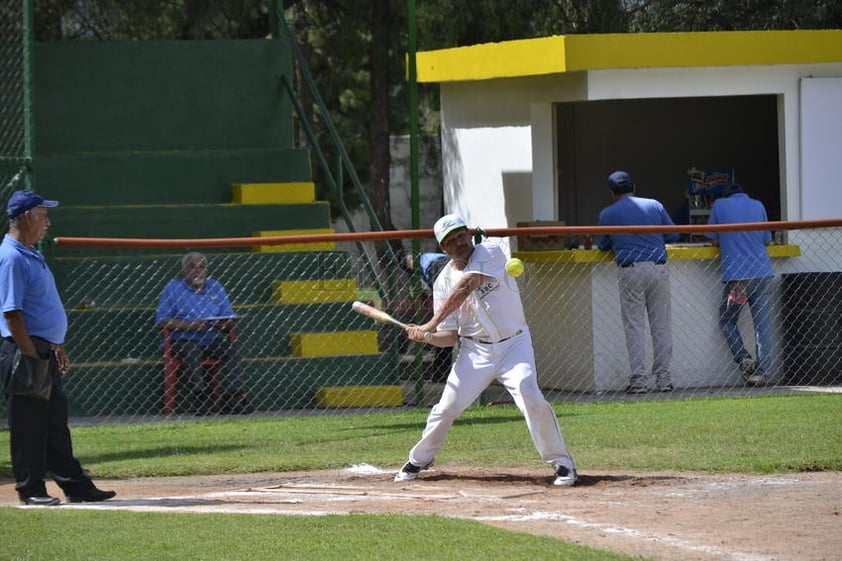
{"x":484,"y":342}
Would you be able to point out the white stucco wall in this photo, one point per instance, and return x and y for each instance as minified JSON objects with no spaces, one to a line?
{"x":488,"y":139}
{"x":821,"y":147}
{"x":487,"y":167}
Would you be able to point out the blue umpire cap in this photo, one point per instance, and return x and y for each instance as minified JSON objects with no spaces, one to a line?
{"x":21,"y":201}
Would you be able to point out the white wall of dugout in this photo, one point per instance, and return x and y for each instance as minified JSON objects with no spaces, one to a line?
{"x":821,"y":148}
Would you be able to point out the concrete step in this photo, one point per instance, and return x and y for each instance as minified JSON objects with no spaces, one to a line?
{"x":113,"y":335}
{"x":274,"y":193}
{"x":175,"y":177}
{"x":359,"y":396}
{"x":181,"y":221}
{"x":314,"y":291}
{"x":293,"y":247}
{"x":336,"y":343}
{"x":127,"y":282}
{"x":272,"y":383}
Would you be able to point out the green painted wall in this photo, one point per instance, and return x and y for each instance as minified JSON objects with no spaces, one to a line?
{"x":160,"y":96}
{"x":151,"y":122}
{"x":145,"y":139}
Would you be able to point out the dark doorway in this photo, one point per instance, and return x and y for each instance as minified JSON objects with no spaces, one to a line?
{"x":658,"y":141}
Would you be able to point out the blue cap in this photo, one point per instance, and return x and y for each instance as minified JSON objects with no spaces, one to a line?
{"x":21,"y":201}
{"x":621,"y":182}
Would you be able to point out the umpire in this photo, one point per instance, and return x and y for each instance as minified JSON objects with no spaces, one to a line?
{"x":35,"y":323}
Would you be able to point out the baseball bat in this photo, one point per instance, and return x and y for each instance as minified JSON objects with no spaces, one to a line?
{"x":375,"y":314}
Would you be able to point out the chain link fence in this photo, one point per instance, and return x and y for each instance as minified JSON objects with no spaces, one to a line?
{"x":14,"y":152}
{"x":306,"y":351}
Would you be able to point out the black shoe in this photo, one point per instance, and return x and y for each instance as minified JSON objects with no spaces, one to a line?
{"x":40,"y":500}
{"x":565,"y":477}
{"x":665,"y":388}
{"x":92,"y":495}
{"x":409,"y":471}
{"x":637,"y":389}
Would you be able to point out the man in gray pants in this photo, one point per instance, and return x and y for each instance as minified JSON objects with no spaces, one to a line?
{"x":643,"y":280}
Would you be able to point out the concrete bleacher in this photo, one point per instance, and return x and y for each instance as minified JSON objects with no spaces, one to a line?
{"x":177,"y":176}
{"x":273,"y":383}
{"x":172,"y":152}
{"x":183,"y":221}
{"x":115,"y":345}
{"x":102,"y":334}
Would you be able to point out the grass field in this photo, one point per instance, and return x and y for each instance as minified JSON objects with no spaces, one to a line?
{"x":746,"y":435}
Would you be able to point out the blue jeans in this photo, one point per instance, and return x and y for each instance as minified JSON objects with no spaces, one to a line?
{"x":757,"y":292}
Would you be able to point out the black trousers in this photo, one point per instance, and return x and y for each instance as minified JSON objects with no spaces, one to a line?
{"x":230,"y":365}
{"x":39,"y":436}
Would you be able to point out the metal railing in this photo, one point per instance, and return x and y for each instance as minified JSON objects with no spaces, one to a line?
{"x":343,"y":167}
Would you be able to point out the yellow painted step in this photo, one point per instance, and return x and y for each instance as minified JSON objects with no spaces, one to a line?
{"x":360,"y":396}
{"x":274,"y":193}
{"x":290,"y":247}
{"x":336,"y":343}
{"x":315,"y":291}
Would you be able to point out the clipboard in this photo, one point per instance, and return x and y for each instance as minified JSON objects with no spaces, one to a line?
{"x":221,"y":318}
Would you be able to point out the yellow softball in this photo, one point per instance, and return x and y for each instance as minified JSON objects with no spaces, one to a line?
{"x":514,"y":267}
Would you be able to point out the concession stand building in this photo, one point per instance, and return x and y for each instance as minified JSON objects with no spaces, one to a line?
{"x":532,"y":128}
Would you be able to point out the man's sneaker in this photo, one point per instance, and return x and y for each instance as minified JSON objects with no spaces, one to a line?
{"x":565,"y":477}
{"x":409,"y":471}
{"x":747,"y":366}
{"x":665,"y":388}
{"x":756,"y":380}
{"x":637,"y":389}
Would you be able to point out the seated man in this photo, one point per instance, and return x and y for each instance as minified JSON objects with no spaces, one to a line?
{"x":197,"y":311}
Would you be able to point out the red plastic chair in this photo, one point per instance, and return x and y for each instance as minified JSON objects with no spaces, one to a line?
{"x":172,"y":364}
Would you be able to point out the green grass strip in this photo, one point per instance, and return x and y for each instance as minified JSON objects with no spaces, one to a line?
{"x":744,"y":435}
{"x":67,"y":535}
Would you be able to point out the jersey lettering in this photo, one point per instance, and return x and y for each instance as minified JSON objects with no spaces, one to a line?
{"x":487,"y":288}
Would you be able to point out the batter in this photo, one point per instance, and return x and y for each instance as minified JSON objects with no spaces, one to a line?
{"x":476,"y":304}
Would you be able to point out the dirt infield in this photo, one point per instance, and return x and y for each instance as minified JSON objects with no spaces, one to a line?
{"x":663,"y":516}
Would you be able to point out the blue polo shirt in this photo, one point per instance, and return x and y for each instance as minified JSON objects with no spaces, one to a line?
{"x":26,"y":284}
{"x":179,"y":300}
{"x":431,"y":265}
{"x":632,"y":248}
{"x":744,"y":254}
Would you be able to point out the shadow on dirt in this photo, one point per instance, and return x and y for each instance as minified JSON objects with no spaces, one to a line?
{"x":585,"y":480}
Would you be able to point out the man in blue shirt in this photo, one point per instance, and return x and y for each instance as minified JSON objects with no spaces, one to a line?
{"x":430,"y":264}
{"x":35,"y":325}
{"x":196,"y":310}
{"x":746,"y":274}
{"x":643,"y":280}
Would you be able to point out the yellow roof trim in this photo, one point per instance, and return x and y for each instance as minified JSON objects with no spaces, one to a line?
{"x":572,"y":53}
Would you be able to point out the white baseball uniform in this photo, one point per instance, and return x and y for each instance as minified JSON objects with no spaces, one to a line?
{"x":494,"y":344}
